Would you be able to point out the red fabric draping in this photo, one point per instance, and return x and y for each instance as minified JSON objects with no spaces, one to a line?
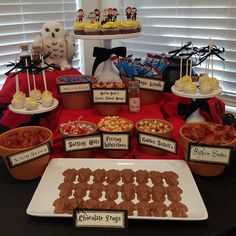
{"x":147,"y":111}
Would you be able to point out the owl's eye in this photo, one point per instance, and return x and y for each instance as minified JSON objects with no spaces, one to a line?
{"x":57,"y":29}
{"x":47,"y":29}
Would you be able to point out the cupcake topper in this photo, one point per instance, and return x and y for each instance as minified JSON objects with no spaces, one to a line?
{"x":80,"y":15}
{"x":17,"y":79}
{"x":92,"y":17}
{"x":115,"y":14}
{"x":27,"y":73}
{"x":128,"y":12}
{"x":134,"y":13}
{"x":97,"y":14}
{"x":44,"y":76}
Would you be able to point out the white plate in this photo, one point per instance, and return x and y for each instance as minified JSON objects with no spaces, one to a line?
{"x":196,"y":95}
{"x":39,"y":110}
{"x":47,"y":192}
{"x":105,"y":37}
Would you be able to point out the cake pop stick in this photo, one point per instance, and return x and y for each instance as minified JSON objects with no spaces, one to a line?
{"x":186,"y":66}
{"x":208,"y":59}
{"x":44,"y":76}
{"x":34,"y":82}
{"x":191,"y":65}
{"x":27,"y":73}
{"x":181,"y":65}
{"x":17,"y":79}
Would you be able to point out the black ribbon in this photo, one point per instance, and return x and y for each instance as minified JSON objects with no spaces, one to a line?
{"x":187,"y":109}
{"x":103,"y":54}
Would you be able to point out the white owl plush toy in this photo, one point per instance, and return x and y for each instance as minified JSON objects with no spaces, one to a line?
{"x":57,"y":44}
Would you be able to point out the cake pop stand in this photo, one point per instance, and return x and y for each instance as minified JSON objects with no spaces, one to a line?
{"x":196,"y":116}
{"x":108,"y":71}
{"x":37,"y":113}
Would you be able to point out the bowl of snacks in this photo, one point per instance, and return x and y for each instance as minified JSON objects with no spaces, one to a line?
{"x":108,"y":109}
{"x":206,"y":133}
{"x":25,"y":151}
{"x":75,"y":91}
{"x":156,"y":127}
{"x":78,"y":128}
{"x":115,"y":125}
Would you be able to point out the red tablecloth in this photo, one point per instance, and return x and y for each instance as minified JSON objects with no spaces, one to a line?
{"x":147,"y":111}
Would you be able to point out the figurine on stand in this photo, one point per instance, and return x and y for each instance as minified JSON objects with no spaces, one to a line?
{"x":97,"y":13}
{"x":134,"y":13}
{"x":80,"y":15}
{"x":128,"y":12}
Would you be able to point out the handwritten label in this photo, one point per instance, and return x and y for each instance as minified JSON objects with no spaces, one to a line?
{"x":109,"y":219}
{"x":73,"y":88}
{"x":150,"y":84}
{"x":116,"y":141}
{"x":82,"y":142}
{"x":117,"y":96}
{"x":157,"y":142}
{"x":209,"y":154}
{"x":23,"y":157}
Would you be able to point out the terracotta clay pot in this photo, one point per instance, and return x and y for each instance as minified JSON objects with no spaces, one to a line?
{"x":75,"y":100}
{"x":148,"y":97}
{"x":117,"y":153}
{"x":81,"y":153}
{"x":203,"y":169}
{"x":151,"y":150}
{"x":31,"y":169}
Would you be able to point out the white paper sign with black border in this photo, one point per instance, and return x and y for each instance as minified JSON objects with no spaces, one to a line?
{"x":100,"y":219}
{"x":74,"y":88}
{"x":209,"y":154}
{"x":153,"y":84}
{"x":157,"y":142}
{"x":110,"y":96}
{"x":85,"y":142}
{"x":116,"y":141}
{"x":28,"y":155}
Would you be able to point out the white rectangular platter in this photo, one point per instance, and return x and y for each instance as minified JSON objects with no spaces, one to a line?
{"x":47,"y":192}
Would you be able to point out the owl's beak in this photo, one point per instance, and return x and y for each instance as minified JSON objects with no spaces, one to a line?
{"x":53,"y":35}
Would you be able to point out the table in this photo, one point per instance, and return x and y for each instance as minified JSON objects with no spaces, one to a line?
{"x":219,"y":194}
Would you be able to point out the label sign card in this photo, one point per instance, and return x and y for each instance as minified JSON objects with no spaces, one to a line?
{"x":29,"y":155}
{"x":209,"y":154}
{"x":74,"y":88}
{"x":116,"y":96}
{"x":157,"y":142}
{"x":78,"y":143}
{"x":116,"y":141}
{"x":150,"y":84}
{"x":107,"y":219}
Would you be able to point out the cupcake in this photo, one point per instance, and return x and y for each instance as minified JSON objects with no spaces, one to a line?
{"x":35,"y":93}
{"x":190,"y":88}
{"x":47,"y":99}
{"x":110,"y":28}
{"x":78,"y":28}
{"x":127,"y":27}
{"x":137,"y":26}
{"x":31,"y":103}
{"x":18,"y":100}
{"x":92,"y":28}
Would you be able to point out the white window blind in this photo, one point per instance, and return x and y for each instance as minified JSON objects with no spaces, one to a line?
{"x":21,"y":21}
{"x":168,"y":23}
